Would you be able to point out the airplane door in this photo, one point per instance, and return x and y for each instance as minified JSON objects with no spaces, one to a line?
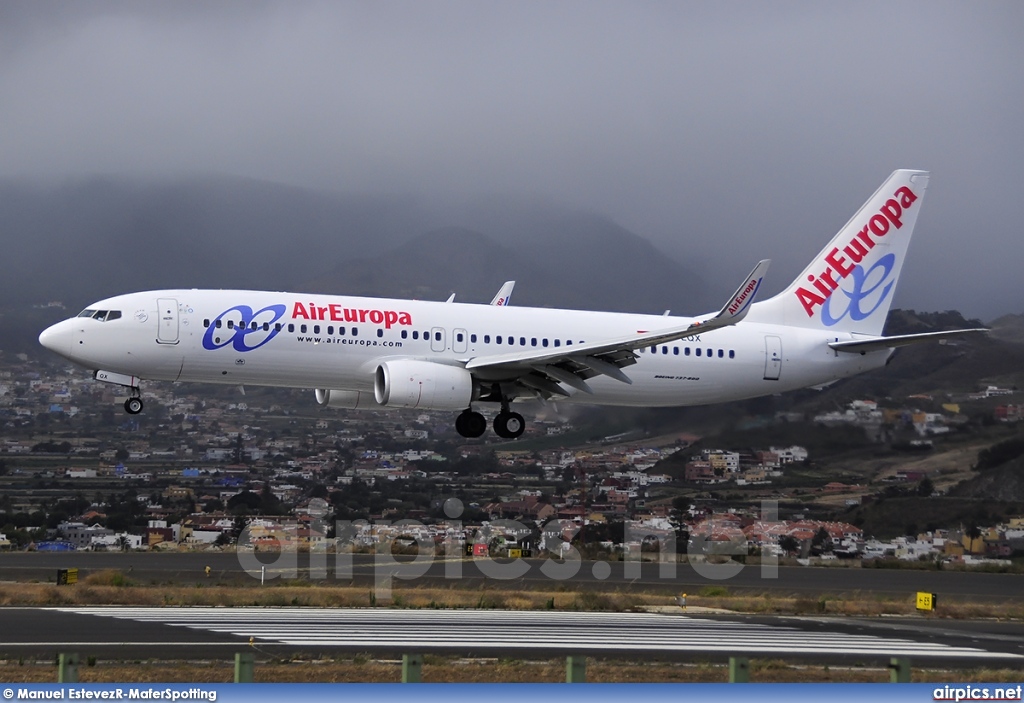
{"x":772,"y":358}
{"x":437,"y":339}
{"x":460,"y":341}
{"x":167,"y":315}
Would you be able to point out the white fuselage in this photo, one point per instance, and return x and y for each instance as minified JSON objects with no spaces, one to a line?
{"x":337,"y":342}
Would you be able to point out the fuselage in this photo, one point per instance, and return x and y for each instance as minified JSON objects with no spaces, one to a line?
{"x":337,"y":342}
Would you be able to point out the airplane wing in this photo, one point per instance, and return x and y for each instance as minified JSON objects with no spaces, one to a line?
{"x":862,"y":346}
{"x":504,"y":294}
{"x":572,"y":365}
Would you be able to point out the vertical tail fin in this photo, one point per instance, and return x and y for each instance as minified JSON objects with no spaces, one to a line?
{"x":850,"y":284}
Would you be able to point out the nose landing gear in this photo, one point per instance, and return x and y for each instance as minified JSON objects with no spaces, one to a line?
{"x":133,"y":406}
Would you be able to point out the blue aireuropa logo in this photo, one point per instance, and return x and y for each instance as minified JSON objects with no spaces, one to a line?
{"x":251,"y":323}
{"x":865,"y":286}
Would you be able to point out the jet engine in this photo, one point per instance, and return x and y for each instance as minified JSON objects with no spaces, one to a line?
{"x":409,"y":383}
{"x":350,"y":400}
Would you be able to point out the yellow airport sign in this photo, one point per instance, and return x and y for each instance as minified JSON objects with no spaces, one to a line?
{"x":926,"y":601}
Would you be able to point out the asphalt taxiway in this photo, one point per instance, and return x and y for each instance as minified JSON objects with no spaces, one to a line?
{"x":225,"y":567}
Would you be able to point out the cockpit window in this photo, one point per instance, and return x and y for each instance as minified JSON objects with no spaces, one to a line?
{"x":101,"y":315}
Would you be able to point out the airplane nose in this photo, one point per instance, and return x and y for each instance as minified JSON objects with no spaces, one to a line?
{"x":57,"y":338}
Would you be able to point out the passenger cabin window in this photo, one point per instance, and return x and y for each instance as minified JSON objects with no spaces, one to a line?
{"x":291,"y":326}
{"x":380,"y":332}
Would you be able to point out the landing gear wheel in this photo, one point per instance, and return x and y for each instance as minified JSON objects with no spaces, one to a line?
{"x":133,"y":406}
{"x":470,"y":424}
{"x":509,"y":425}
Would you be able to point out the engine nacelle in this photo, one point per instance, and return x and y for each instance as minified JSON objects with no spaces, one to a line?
{"x":350,"y":400}
{"x":409,"y":383}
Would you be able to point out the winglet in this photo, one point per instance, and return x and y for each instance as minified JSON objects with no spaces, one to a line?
{"x":739,"y":304}
{"x":504,"y":294}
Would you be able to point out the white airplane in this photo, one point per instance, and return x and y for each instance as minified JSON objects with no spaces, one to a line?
{"x":386,"y":353}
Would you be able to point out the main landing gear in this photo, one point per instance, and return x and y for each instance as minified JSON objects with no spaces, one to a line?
{"x":470,"y":424}
{"x":507,"y":424}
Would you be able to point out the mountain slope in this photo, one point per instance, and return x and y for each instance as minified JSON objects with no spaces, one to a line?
{"x":86,"y":239}
{"x":625,"y":274}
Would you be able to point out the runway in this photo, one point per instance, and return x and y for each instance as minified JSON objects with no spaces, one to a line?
{"x":179,"y":632}
{"x":795,"y":580}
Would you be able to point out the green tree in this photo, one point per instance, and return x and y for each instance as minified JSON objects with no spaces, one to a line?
{"x":789,"y":544}
{"x":926,"y":487}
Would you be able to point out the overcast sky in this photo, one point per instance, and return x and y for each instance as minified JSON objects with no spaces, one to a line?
{"x":723,"y":132}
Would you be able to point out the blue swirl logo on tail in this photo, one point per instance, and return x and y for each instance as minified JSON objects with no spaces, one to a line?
{"x":865,"y":285}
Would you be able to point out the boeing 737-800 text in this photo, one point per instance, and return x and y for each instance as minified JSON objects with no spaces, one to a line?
{"x":385,"y":353}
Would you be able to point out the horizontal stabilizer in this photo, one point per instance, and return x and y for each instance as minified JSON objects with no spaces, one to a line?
{"x":862,"y":346}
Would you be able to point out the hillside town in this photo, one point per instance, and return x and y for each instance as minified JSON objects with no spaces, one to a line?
{"x":268,"y":470}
